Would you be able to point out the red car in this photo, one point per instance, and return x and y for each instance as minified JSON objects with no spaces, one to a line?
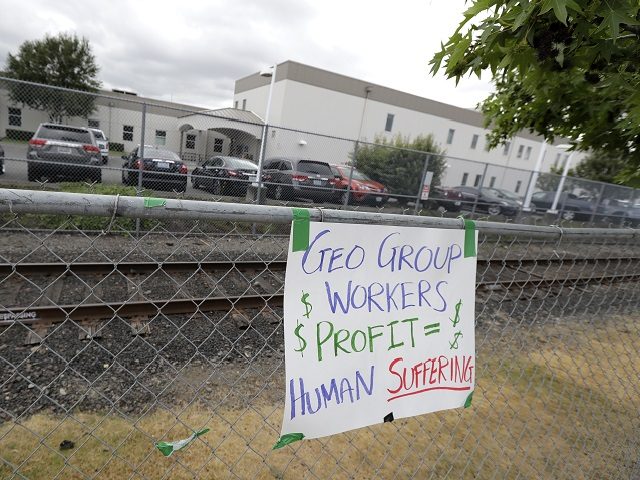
{"x":363,"y":189}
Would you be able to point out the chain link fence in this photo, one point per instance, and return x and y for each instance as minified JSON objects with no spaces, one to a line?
{"x":117,"y":142}
{"x":125,"y":322}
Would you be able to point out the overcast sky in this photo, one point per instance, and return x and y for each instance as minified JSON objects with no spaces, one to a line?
{"x":192,"y":52}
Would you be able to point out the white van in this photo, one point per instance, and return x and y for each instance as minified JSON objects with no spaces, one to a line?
{"x":103,"y":144}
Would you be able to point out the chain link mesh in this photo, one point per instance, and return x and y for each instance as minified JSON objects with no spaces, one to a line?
{"x":150,"y":147}
{"x":116,"y":334}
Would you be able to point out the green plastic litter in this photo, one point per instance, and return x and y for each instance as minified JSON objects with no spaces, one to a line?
{"x":150,"y":202}
{"x":467,"y":402}
{"x":167,"y":448}
{"x":300,"y":230}
{"x":287,"y":439}
{"x":469,"y":238}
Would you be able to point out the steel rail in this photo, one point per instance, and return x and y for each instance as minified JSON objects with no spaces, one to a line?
{"x":224,"y":266}
{"x":100,"y":311}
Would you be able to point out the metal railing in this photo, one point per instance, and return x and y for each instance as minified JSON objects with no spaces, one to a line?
{"x":114,"y":338}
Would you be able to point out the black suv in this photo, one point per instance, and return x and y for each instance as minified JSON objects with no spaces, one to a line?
{"x":289,"y":178}
{"x":63,"y":151}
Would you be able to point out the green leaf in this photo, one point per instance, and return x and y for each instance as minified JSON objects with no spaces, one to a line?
{"x":287,"y":439}
{"x":467,"y":402}
{"x":612,"y":20}
{"x":559,"y":9}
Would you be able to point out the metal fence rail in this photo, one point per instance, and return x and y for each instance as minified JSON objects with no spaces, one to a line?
{"x":125,"y":321}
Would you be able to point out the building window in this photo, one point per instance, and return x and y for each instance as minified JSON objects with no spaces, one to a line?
{"x":450,"y":136}
{"x":15,"y":117}
{"x":190,"y":141}
{"x":389,"y":125}
{"x":520,"y":151}
{"x":528,"y":154}
{"x":244,"y":103}
{"x":505,"y":150}
{"x":93,"y":123}
{"x":492,"y":182}
{"x":465,"y":177}
{"x":127,"y":133}
{"x":474,"y":142}
{"x":161,"y":137}
{"x":518,"y":185}
{"x":217,"y":145}
{"x":235,"y":105}
{"x":476,"y":182}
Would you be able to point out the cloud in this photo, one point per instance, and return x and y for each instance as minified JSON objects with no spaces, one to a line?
{"x":194,"y":52}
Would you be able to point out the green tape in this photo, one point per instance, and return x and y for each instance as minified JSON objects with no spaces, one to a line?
{"x":167,"y":448}
{"x":467,"y":402}
{"x":287,"y":439}
{"x":469,"y":238}
{"x":154,"y":202}
{"x":300,"y":229}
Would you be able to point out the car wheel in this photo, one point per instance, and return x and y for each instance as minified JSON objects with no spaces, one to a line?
{"x":441,"y":210}
{"x":568,"y":215}
{"x":494,"y":210}
{"x":33,"y":173}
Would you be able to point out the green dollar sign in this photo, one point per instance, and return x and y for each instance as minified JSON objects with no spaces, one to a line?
{"x":456,"y":320}
{"x":301,"y":340}
{"x":454,"y":344}
{"x":307,"y":306}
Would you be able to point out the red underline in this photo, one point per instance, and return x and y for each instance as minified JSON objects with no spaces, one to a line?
{"x":427,"y":390}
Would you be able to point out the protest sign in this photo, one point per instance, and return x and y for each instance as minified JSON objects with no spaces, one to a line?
{"x":378,"y":324}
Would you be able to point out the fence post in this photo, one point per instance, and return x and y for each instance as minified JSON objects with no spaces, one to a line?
{"x":345,"y":202}
{"x":595,"y":210}
{"x":422,"y":178}
{"x":263,"y":149}
{"x":475,"y":202}
{"x":141,"y":161}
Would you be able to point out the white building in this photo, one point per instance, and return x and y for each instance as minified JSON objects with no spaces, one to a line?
{"x":318,"y":101}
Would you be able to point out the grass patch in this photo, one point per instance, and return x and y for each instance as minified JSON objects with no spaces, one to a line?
{"x":563,"y":406}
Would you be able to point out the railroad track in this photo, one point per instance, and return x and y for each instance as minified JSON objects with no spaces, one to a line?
{"x":256,"y":285}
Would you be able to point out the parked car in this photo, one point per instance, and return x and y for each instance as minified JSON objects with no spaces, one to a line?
{"x":224,"y":175}
{"x":486,"y":201}
{"x":570,"y":207}
{"x":363,"y":189}
{"x":161,"y":169}
{"x":63,"y":151}
{"x":1,"y":160}
{"x":289,"y":178}
{"x":502,"y":193}
{"x":616,"y":212}
{"x":103,"y":144}
{"x":444,"y":199}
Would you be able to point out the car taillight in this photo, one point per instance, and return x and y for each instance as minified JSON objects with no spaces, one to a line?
{"x":136,"y":164}
{"x":106,"y":145}
{"x":300,"y":178}
{"x":90,"y":148}
{"x":37,"y":142}
{"x":183,"y":168}
{"x":232,"y":173}
{"x":334,"y":181}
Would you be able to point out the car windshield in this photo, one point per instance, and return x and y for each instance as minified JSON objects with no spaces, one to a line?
{"x":64,"y":134}
{"x":98,"y":134}
{"x":156,"y":154}
{"x":491,"y":194}
{"x":507,"y":194}
{"x":319,"y":168}
{"x":240,"y":164}
{"x":356,"y":174}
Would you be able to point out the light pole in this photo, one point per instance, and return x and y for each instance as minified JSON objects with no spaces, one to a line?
{"x":534,"y":177}
{"x":565,"y":171}
{"x":268,"y":72}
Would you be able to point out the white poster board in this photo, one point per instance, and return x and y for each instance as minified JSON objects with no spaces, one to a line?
{"x":378,"y":324}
